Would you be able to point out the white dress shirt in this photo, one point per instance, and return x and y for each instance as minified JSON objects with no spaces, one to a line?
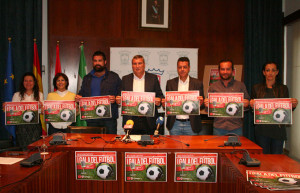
{"x":183,"y":86}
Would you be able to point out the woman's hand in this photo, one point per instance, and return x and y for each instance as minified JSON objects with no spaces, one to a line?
{"x":294,"y":102}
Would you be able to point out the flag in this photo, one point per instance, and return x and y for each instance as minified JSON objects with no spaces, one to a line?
{"x":38,"y":75}
{"x":9,"y":89}
{"x":57,"y":63}
{"x":81,"y":73}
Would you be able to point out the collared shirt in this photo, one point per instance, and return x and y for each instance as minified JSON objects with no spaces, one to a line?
{"x":138,"y":83}
{"x":183,"y":86}
{"x":233,"y":86}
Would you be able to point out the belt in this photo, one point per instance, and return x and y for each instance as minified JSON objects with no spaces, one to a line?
{"x":183,"y":120}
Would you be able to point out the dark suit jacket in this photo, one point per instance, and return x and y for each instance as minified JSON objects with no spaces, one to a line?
{"x":194,"y":84}
{"x":151,"y":85}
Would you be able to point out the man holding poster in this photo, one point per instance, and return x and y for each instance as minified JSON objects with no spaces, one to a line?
{"x":102,"y":82}
{"x":227,"y":84}
{"x":141,"y":81}
{"x":185,"y":124}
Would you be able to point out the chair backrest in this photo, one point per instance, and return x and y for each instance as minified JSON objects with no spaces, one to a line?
{"x":86,"y":129}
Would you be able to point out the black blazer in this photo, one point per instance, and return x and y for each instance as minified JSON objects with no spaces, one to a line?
{"x":151,"y":85}
{"x":194,"y":84}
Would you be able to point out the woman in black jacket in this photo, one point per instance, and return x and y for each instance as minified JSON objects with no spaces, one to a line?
{"x":270,"y":137}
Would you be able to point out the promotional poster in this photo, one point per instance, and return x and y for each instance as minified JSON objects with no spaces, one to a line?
{"x":145,"y":167}
{"x":226,"y":105}
{"x":274,"y":180}
{"x":273,"y":111}
{"x":196,"y":167}
{"x":18,"y":113}
{"x":60,"y":111}
{"x":182,"y":103}
{"x":138,"y":103}
{"x":95,"y":107}
{"x":96,"y":165}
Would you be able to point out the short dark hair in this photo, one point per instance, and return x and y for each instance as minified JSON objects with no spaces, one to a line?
{"x":99,"y":53}
{"x":184,"y":59}
{"x":138,"y":57}
{"x":226,"y":60}
{"x":60,"y":75}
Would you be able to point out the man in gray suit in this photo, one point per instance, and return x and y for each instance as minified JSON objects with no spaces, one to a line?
{"x":141,"y":81}
{"x":184,"y":124}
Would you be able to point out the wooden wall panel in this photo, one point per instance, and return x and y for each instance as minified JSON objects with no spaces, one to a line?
{"x":215,"y":27}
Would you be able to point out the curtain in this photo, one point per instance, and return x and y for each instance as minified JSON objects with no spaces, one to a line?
{"x":22,"y":21}
{"x":263,"y":43}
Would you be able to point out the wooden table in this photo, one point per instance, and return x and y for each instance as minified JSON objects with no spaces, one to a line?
{"x":234,"y":178}
{"x":169,"y":145}
{"x":47,"y":178}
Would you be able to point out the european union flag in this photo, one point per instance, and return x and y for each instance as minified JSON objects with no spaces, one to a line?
{"x":9,"y":87}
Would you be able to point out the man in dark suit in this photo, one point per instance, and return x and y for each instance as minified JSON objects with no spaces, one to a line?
{"x":141,"y":81}
{"x":184,"y":124}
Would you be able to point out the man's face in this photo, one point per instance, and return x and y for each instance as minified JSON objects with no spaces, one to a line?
{"x":138,"y":67}
{"x":183,"y":69}
{"x":98,"y":63}
{"x":225,"y":70}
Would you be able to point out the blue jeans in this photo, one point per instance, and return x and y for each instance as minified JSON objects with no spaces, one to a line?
{"x":110,"y":124}
{"x":269,"y":145}
{"x":238,"y":131}
{"x":182,"y":128}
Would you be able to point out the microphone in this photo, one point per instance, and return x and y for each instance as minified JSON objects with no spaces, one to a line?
{"x":159,"y":122}
{"x":247,"y":160}
{"x":233,"y":139}
{"x":129,"y":124}
{"x":127,"y":127}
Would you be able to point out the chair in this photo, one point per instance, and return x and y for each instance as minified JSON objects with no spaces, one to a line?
{"x":86,"y":129}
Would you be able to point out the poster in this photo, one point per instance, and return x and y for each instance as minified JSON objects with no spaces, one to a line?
{"x":96,"y":165}
{"x":182,"y":103}
{"x":145,"y":167}
{"x":274,"y":180}
{"x":138,"y":103}
{"x":226,"y":105}
{"x":18,"y":113}
{"x":273,"y":111}
{"x":94,"y":107}
{"x":60,"y":111}
{"x":196,"y":167}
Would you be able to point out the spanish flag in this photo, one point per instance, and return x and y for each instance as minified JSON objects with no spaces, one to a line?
{"x":38,"y":75}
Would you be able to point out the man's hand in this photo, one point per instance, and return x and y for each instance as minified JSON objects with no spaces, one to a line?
{"x":163,"y":102}
{"x":252,"y":103}
{"x":200,"y":98}
{"x":112,"y":99}
{"x":118,"y":100}
{"x":157,"y":101}
{"x":206,"y":101}
{"x":246,"y":103}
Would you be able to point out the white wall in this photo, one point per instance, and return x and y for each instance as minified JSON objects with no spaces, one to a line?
{"x":292,"y":71}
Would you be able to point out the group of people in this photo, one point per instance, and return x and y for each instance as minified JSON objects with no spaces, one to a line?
{"x":102,"y":82}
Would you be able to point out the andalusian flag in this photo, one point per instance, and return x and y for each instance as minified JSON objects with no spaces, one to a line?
{"x":9,"y":88}
{"x":81,"y":73}
{"x":37,"y":73}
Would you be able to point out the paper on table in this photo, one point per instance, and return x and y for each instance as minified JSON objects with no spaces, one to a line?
{"x":9,"y":160}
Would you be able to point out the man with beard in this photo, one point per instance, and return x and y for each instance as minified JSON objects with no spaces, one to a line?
{"x":102,"y":82}
{"x":224,"y":125}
